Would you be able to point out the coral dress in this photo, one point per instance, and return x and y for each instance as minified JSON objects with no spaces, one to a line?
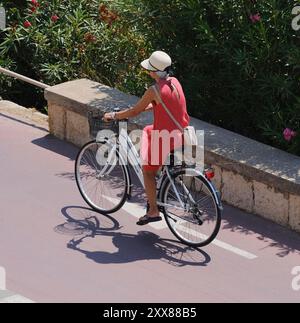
{"x":164,"y":136}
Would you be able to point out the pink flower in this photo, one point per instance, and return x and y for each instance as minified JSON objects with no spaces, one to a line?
{"x":27,"y":24}
{"x":288,"y":134}
{"x":255,"y":18}
{"x":54,"y":18}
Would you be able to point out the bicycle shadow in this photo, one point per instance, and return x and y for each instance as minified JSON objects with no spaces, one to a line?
{"x":84,"y":223}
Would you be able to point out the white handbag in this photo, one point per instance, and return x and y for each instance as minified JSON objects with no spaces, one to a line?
{"x":190,"y":138}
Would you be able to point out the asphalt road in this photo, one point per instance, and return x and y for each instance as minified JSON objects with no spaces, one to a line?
{"x":55,"y":249}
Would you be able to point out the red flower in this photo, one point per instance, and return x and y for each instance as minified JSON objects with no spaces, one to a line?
{"x":89,"y":38}
{"x":54,"y":18}
{"x":35,"y":3}
{"x":289,"y":134}
{"x":255,"y":18}
{"x":106,"y":15}
{"x":33,"y":9}
{"x":27,"y":24}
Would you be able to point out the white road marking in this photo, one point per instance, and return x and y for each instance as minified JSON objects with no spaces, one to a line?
{"x":223,"y":245}
{"x":235,"y":250}
{"x":137,"y":211}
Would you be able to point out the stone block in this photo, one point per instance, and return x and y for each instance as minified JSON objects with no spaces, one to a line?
{"x":237,"y":191}
{"x":294,"y":212}
{"x":57,"y":120}
{"x":77,"y":129}
{"x":271,"y":204}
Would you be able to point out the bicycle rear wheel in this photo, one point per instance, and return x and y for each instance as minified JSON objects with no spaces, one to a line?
{"x":196,"y":219}
{"x":101,"y":178}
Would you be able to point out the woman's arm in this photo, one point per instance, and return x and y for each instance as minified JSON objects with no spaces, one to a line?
{"x":141,"y":106}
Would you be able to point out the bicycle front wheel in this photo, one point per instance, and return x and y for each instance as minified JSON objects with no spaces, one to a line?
{"x":100,"y":176}
{"x":191,"y":209}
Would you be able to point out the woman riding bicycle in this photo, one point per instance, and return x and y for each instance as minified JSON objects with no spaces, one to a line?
{"x":153,"y":155}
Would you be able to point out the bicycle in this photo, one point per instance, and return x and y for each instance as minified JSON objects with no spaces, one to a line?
{"x":191,"y":205}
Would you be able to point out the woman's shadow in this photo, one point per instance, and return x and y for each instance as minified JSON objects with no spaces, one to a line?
{"x":84,"y":223}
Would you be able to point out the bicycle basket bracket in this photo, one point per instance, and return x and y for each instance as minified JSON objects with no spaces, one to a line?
{"x":97,"y":124}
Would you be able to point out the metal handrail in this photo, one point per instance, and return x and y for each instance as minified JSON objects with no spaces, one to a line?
{"x":23,"y":78}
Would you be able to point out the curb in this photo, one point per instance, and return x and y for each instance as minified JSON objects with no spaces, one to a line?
{"x":26,"y":115}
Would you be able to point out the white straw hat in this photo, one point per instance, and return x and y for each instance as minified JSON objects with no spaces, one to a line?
{"x":158,"y":61}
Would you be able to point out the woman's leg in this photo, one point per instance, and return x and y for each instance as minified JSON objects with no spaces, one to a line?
{"x":150,"y":189}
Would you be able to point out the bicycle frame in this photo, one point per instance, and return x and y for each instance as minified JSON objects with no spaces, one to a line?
{"x":128,"y":153}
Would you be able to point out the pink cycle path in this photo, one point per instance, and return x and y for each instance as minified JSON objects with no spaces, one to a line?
{"x":55,"y":249}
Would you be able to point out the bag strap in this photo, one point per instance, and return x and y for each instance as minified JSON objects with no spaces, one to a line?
{"x":165,"y":107}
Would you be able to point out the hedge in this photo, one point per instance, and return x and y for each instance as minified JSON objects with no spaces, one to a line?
{"x":238,"y":60}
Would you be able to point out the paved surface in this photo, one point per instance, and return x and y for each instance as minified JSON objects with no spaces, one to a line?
{"x":52,"y":253}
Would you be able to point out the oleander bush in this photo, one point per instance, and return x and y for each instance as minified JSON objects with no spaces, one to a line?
{"x":238,"y":60}
{"x":59,"y":40}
